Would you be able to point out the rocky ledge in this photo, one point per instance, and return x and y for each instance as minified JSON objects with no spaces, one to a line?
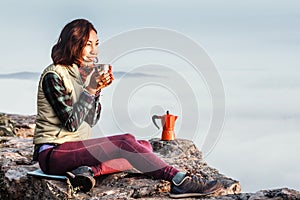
{"x":16,"y":160}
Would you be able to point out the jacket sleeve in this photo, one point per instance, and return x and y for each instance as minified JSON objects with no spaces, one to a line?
{"x":94,"y":114}
{"x":71,"y":115}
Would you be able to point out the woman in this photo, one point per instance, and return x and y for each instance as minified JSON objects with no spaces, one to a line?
{"x":68,"y":103}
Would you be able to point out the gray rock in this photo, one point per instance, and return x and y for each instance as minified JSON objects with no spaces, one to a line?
{"x":16,"y":161}
{"x":16,"y":125}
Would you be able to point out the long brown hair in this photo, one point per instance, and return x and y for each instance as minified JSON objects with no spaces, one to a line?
{"x":72,"y":39}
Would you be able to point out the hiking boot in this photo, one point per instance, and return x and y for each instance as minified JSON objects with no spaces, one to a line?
{"x":82,"y":177}
{"x":193,"y":186}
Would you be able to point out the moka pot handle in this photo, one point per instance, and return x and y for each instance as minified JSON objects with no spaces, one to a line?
{"x":154,"y":117}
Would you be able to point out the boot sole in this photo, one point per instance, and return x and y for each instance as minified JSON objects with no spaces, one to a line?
{"x":85,"y":183}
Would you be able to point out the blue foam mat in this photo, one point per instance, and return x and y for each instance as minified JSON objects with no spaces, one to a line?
{"x":41,"y":174}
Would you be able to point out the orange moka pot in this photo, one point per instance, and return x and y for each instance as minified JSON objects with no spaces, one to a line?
{"x":168,"y":123}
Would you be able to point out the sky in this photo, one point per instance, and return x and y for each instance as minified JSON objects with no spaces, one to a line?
{"x":254,"y":45}
{"x":235,"y":31}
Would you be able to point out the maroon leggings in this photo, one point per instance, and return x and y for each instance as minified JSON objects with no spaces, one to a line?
{"x":93,"y":152}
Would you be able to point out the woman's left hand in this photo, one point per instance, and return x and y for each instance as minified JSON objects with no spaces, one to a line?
{"x":104,"y":79}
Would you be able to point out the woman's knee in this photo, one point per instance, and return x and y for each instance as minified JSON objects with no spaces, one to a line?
{"x":146,"y":144}
{"x":128,"y":137}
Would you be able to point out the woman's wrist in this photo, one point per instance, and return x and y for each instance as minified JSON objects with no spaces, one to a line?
{"x":91,"y":91}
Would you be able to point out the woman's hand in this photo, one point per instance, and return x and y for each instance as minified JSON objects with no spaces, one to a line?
{"x":99,"y":81}
{"x":105,"y":79}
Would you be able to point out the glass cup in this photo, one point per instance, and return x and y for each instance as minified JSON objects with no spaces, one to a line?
{"x":102,"y":68}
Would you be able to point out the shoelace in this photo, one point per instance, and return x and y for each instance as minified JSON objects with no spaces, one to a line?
{"x":197,"y":179}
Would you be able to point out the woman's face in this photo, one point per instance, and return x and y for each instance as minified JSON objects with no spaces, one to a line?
{"x":90,"y":51}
